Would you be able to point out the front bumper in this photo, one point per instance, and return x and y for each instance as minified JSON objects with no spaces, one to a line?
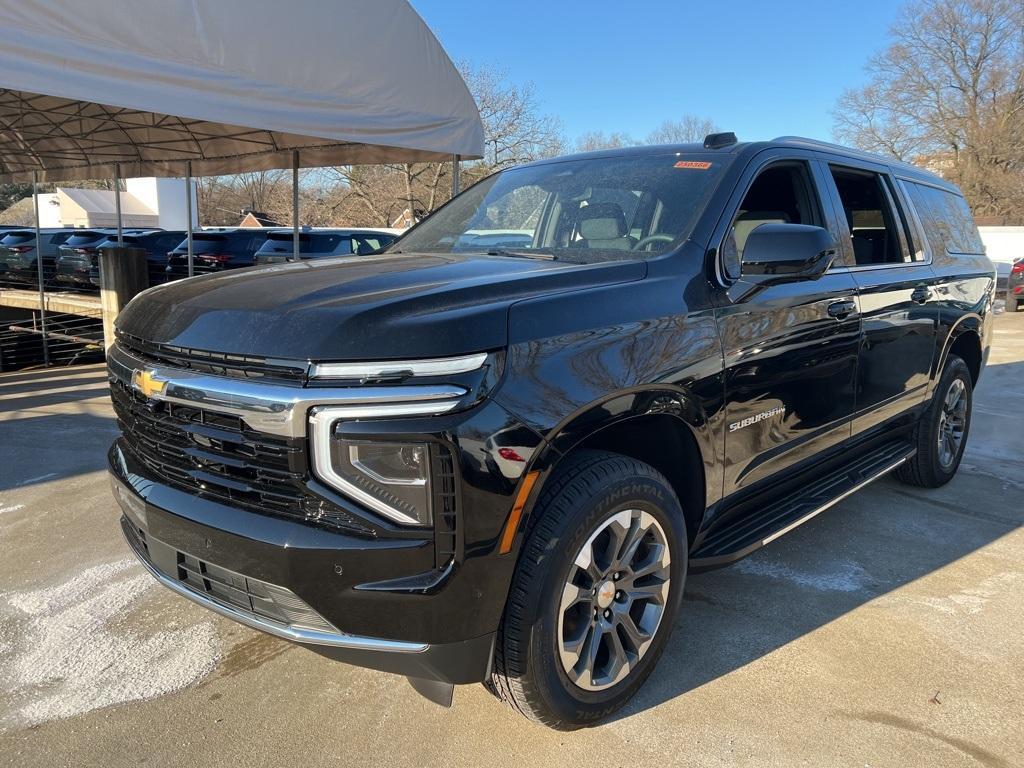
{"x":232,"y":575}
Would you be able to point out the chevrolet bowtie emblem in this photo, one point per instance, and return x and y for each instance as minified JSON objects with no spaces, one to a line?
{"x":147,"y":383}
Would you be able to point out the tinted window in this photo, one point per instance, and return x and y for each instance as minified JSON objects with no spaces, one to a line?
{"x":365,"y":244}
{"x":875,"y":229}
{"x":781,"y":194}
{"x":17,"y":238}
{"x":80,"y":239}
{"x":576,"y":210}
{"x":947,"y":219}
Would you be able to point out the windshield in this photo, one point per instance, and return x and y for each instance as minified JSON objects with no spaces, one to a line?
{"x":584,"y":210}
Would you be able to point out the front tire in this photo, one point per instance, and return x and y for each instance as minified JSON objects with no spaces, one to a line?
{"x":941,"y":433}
{"x":595,"y":593}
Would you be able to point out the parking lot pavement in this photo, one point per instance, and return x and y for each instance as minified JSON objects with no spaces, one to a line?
{"x":887,"y":632}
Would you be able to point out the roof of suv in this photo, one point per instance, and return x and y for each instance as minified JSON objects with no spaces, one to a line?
{"x":750,"y":148}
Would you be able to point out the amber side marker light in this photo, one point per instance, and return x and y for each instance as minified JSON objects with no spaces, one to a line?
{"x":509,"y":534}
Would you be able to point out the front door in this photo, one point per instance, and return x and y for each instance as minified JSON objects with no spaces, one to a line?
{"x":790,"y":350}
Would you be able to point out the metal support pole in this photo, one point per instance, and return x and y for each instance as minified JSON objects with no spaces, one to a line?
{"x":295,"y":204}
{"x":455,"y":175}
{"x":117,"y":204}
{"x":188,"y":214}
{"x":39,"y":270}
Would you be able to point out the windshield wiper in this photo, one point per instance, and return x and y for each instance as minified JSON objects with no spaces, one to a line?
{"x":522,"y":254}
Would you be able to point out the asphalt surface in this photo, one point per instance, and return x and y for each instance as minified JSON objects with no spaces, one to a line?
{"x":887,"y":632}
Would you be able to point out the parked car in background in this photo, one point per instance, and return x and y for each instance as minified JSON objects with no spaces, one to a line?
{"x":321,"y":243}
{"x":217,"y":250}
{"x":18,"y":261}
{"x":1015,"y":286}
{"x":157,"y":243}
{"x":78,"y":258}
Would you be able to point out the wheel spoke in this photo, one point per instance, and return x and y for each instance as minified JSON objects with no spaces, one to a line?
{"x":639,"y":639}
{"x":632,"y":542}
{"x":656,"y":590}
{"x":572,"y":595}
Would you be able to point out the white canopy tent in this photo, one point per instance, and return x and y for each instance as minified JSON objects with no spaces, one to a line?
{"x":92,"y":87}
{"x":99,"y":88}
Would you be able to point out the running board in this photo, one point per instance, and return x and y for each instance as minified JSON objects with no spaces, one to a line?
{"x":739,"y":538}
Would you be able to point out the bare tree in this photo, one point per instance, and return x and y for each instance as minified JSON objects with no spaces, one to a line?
{"x":593,"y":140}
{"x":515,"y":131}
{"x":686,"y":129}
{"x":948,"y":93}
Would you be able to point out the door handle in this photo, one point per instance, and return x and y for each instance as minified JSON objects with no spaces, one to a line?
{"x":842,"y":309}
{"x":921,"y":294}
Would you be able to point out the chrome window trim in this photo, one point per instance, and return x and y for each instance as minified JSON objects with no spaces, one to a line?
{"x":321,"y":423}
{"x":441,"y":366}
{"x":285,"y":631}
{"x":281,"y":409}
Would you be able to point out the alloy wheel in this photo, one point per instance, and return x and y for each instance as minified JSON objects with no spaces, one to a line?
{"x":613,"y":599}
{"x":952,"y":422}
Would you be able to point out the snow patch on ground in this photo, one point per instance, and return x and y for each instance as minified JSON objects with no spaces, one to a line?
{"x":66,"y":653}
{"x":13,"y":508}
{"x":843,"y":577}
{"x":972,"y":600}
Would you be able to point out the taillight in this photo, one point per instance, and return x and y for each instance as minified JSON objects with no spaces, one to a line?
{"x":1018,"y":268}
{"x":510,"y":454}
{"x":220,"y":258}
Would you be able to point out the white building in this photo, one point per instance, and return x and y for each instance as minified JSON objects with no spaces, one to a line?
{"x":146,"y":202}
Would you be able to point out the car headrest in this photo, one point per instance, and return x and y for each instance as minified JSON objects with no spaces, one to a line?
{"x":748,"y":221}
{"x":601,"y":221}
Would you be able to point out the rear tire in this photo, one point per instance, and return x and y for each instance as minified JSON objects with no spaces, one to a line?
{"x":587,"y":581}
{"x":1012,"y":304}
{"x":941,"y":433}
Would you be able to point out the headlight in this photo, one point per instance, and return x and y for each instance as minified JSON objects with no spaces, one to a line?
{"x":390,"y":478}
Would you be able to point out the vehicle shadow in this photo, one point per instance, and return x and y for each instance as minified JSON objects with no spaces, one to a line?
{"x":54,"y":424}
{"x":872,"y":543}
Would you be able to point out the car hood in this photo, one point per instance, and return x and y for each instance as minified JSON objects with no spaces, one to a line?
{"x":388,"y":306}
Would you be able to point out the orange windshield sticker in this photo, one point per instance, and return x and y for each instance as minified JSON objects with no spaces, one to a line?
{"x":699,"y":165}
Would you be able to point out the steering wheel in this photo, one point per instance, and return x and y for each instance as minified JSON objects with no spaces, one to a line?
{"x":652,"y":239}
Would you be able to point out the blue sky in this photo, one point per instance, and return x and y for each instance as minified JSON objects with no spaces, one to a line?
{"x":761,"y":69}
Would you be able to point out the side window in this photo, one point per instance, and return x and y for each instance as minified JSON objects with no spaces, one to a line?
{"x":781,"y":194}
{"x":364,"y":244}
{"x":876,"y":230}
{"x":947,"y":218}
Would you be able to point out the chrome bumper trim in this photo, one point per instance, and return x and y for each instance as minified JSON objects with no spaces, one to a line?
{"x":279,"y":409}
{"x":295,"y":634}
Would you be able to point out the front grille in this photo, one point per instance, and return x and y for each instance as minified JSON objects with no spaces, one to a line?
{"x":215,"y":363}
{"x":254,"y":597}
{"x":217,"y":456}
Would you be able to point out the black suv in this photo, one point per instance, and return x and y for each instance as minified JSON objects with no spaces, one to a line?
{"x":214,"y":250}
{"x":279,"y":247}
{"x":470,"y":463}
{"x":18,"y":262}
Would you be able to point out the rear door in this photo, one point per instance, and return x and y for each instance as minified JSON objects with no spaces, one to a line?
{"x":897,"y":290}
{"x":790,"y":349}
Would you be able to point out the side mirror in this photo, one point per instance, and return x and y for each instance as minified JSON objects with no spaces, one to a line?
{"x":781,"y":253}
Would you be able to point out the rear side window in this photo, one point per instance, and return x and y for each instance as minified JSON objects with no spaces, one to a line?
{"x":876,"y":226}
{"x":946,"y":218}
{"x":364,"y":244}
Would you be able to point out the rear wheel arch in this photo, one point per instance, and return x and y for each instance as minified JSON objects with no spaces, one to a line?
{"x":964,"y":341}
